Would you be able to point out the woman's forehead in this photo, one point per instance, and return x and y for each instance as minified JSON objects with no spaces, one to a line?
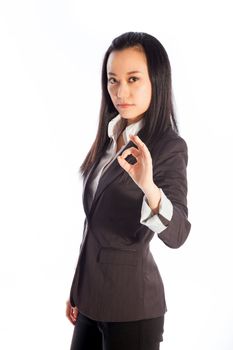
{"x":126,"y":61}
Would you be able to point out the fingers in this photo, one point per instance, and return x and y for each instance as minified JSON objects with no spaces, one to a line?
{"x":73,"y":316}
{"x":71,"y":312}
{"x":141,"y":153}
{"x":75,"y":311}
{"x":141,"y":145}
{"x":121,"y":159}
{"x":124,"y":164}
{"x":67,"y":310}
{"x":131,"y":150}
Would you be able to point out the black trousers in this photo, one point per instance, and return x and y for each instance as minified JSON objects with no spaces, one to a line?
{"x":133,"y":335}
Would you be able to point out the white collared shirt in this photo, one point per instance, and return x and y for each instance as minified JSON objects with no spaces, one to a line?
{"x":148,"y":218}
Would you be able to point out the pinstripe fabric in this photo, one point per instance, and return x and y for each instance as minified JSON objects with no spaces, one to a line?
{"x":116,"y":277}
{"x":155,"y":222}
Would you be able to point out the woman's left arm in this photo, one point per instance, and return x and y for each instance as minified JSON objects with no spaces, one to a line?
{"x":168,"y":175}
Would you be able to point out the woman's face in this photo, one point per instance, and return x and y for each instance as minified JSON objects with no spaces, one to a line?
{"x":129,"y":83}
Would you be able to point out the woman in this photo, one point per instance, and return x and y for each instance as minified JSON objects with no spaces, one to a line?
{"x":134,"y":186}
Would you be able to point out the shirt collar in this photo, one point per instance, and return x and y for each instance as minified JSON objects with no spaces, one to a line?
{"x":116,"y":125}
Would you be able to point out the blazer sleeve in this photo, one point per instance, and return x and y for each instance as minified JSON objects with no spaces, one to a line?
{"x":169,"y":174}
{"x":155,"y":221}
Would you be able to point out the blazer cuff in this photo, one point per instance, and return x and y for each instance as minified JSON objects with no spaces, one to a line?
{"x":157,"y":222}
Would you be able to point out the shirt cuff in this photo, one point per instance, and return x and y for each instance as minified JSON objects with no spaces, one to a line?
{"x":157,"y":222}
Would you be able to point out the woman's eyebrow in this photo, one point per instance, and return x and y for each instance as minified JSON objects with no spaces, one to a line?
{"x":133,"y":71}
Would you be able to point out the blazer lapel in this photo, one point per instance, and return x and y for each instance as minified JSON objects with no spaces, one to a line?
{"x":111,"y":173}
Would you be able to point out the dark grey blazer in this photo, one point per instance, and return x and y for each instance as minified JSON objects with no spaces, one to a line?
{"x":116,"y":278}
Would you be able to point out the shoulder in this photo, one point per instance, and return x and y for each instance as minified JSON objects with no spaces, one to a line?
{"x":168,"y":145}
{"x":170,"y":141}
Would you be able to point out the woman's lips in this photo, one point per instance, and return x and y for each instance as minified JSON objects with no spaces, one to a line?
{"x":125,"y":106}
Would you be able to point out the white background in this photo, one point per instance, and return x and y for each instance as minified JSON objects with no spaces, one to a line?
{"x":50,"y":66}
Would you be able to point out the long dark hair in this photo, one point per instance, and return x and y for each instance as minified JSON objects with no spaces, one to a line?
{"x":159,"y":116}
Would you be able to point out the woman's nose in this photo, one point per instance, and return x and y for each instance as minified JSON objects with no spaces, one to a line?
{"x":123,"y":91}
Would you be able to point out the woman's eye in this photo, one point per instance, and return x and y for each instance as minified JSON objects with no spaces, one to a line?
{"x":109,"y":80}
{"x":134,"y":78}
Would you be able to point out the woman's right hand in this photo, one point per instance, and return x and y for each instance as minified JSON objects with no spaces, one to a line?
{"x":71,"y":312}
